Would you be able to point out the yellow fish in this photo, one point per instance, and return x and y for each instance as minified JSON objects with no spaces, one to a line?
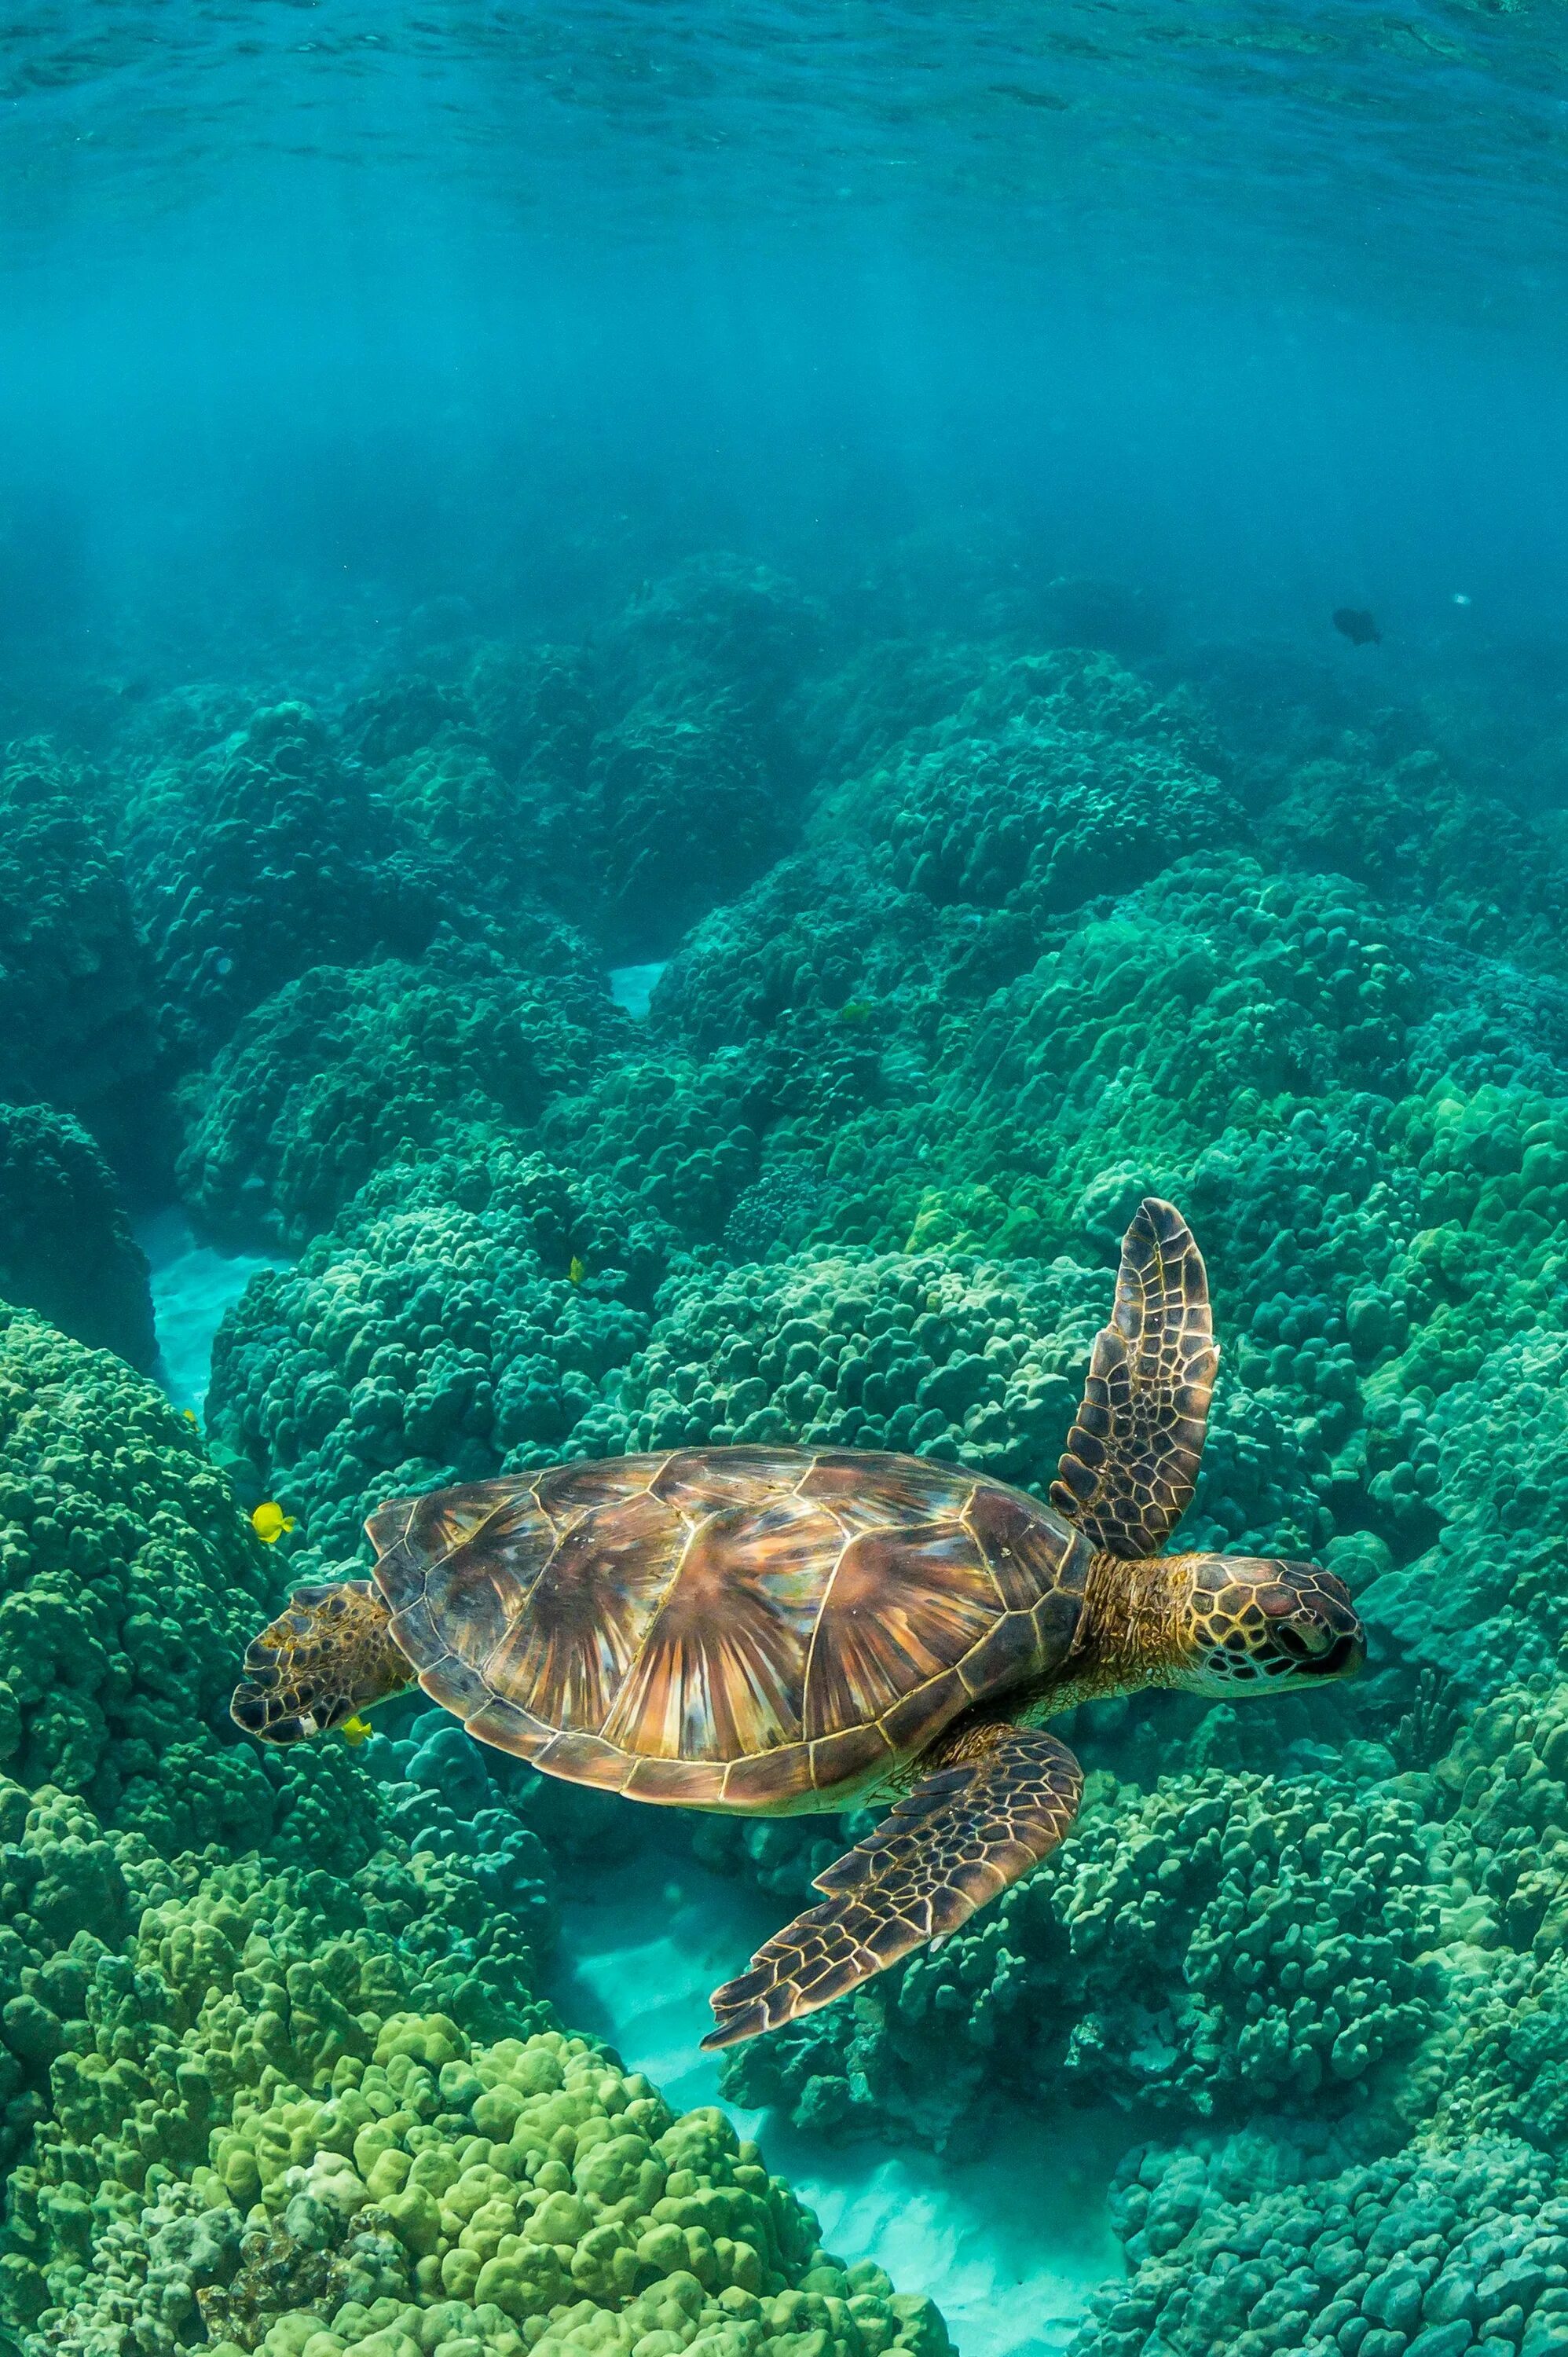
{"x":189,"y":1414}
{"x":575,"y":1272}
{"x":855,"y":1011}
{"x":355,"y":1731}
{"x":269,"y":1521}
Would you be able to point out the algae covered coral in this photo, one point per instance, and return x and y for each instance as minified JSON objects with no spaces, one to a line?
{"x":983,"y":947}
{"x":275,"y":2068}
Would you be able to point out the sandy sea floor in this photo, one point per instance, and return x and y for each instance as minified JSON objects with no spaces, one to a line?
{"x":1008,"y":2243}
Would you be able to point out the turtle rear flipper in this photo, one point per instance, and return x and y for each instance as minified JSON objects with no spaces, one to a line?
{"x":328,"y":1655}
{"x":964,"y":1833}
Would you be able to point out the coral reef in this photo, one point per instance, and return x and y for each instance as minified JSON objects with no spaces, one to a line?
{"x":1204,"y":1950}
{"x":274,"y":2068}
{"x":681,"y":813}
{"x":1356,"y":1958}
{"x":1420,"y":840}
{"x":346,"y":1066}
{"x":1429,"y":2254}
{"x":78,"y":1027}
{"x":437,"y":1334}
{"x":988,"y":909}
{"x":1060,"y":778}
{"x":956,"y":1360}
{"x":260,"y":856}
{"x":132,"y":1582}
{"x":272,"y":2105}
{"x":66,"y":1247}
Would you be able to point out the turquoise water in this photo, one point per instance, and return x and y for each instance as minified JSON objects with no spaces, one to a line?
{"x":705,"y":713}
{"x":192,"y":1286}
{"x":1009,"y":2243}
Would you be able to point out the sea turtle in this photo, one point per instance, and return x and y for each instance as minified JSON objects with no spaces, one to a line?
{"x":770,"y":1631}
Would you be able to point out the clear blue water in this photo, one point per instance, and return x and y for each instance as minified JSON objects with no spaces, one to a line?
{"x":1261,"y":304}
{"x":192,"y":1286}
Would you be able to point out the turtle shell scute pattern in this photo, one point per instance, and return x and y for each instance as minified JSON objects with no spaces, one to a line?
{"x":732,"y":1628}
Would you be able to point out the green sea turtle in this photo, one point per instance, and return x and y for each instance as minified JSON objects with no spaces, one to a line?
{"x":770,"y":1631}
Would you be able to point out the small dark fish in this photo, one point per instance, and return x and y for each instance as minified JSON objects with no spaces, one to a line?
{"x":1356,"y":624}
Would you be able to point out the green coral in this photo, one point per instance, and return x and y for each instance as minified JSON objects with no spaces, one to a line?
{"x":443,"y":1342}
{"x":77,"y":1021}
{"x":1222,"y":1943}
{"x":162,"y":1992}
{"x":538,"y":2197}
{"x":631,"y":786}
{"x":1217,"y":997}
{"x":1039,"y":943}
{"x":1349,"y":1962}
{"x":681,"y":811}
{"x":678,"y":1135}
{"x":132,"y":1585}
{"x":261,"y":857}
{"x":1429,"y":2254}
{"x":715,"y":625}
{"x":66,"y":1246}
{"x":129,"y":1576}
{"x":1420,"y":838}
{"x":949,"y":1358}
{"x":287,"y":2105}
{"x":536,"y":712}
{"x":437,"y":1335}
{"x":1060,"y":778}
{"x":344,"y":1068}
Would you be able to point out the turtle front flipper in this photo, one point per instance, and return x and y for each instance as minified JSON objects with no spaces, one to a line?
{"x":1127,"y":1473}
{"x":999,"y":1800}
{"x":328,"y":1656}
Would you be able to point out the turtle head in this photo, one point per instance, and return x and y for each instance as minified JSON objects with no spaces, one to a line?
{"x":1253,"y":1625}
{"x":326,"y":1658}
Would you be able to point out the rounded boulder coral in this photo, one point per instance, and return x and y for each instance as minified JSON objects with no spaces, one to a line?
{"x":346,"y":1067}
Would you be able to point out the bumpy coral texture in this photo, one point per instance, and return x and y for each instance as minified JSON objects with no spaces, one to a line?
{"x":1430,"y":2254}
{"x":132,"y":1582}
{"x":263,"y":856}
{"x":77,"y":1021}
{"x":439,"y":1334}
{"x":1060,"y":779}
{"x":680,"y":813}
{"x":975,"y":939}
{"x":297,"y":2107}
{"x":958,"y":1360}
{"x":1207,"y":1949}
{"x":66,"y":1246}
{"x":346,"y":1066}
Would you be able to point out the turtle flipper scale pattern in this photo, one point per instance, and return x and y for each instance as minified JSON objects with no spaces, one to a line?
{"x":1130,"y":1465}
{"x":999,"y":1800}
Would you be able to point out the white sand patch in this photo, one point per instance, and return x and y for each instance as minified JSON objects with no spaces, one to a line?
{"x":192,"y":1286}
{"x":631,"y":986}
